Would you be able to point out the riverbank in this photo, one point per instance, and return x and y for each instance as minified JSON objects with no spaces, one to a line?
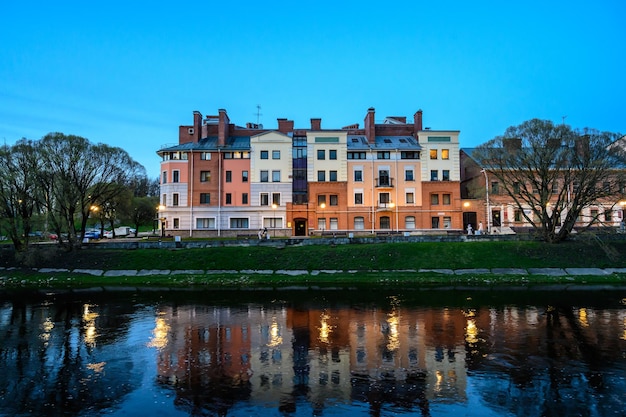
{"x":427,"y":263}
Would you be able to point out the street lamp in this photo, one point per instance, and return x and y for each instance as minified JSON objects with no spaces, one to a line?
{"x":487,"y":197}
{"x":160,"y":208}
{"x":274,"y":206}
{"x":323,"y":206}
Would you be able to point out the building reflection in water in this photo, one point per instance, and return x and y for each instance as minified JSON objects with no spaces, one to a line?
{"x":307,"y":357}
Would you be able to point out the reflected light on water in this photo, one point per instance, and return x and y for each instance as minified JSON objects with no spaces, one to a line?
{"x":582,"y":317}
{"x":393,"y":341}
{"x":325,"y":329}
{"x":159,"y":334}
{"x":624,"y":334}
{"x":96,"y":367}
{"x":275,"y":337}
{"x":46,"y":328}
{"x":89,"y":318}
{"x":471,"y":332}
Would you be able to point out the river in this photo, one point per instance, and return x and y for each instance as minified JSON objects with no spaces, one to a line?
{"x":368,"y":352}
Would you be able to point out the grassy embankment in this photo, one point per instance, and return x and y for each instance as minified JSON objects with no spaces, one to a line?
{"x":368,"y":263}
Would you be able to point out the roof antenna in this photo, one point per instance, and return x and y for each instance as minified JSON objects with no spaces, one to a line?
{"x":258,"y":113}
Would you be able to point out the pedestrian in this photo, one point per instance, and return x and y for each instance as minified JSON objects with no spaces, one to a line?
{"x":469,"y":229}
{"x":265,"y":233}
{"x":260,"y":234}
{"x":480,"y":228}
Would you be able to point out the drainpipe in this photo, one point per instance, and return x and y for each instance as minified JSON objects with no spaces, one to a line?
{"x":487,"y":197}
{"x":219,"y":191}
{"x":190,"y":197}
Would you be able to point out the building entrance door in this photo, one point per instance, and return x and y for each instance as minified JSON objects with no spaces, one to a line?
{"x":469,"y":217}
{"x":300,"y":227}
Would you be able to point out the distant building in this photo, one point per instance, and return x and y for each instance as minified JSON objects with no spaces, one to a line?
{"x":387,"y":177}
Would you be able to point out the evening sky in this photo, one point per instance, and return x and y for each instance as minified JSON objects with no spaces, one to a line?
{"x":129,"y":73}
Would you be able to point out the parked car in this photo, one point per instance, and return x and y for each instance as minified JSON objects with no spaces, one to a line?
{"x":92,"y":234}
{"x":108,"y":234}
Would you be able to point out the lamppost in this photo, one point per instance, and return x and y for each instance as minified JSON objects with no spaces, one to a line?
{"x":160,"y":208}
{"x":488,"y":205}
{"x":323,"y":206}
{"x":274,"y":206}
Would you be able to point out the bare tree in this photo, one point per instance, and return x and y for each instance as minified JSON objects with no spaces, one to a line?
{"x":552,"y":172}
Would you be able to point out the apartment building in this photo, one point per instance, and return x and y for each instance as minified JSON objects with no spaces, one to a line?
{"x":389,"y":176}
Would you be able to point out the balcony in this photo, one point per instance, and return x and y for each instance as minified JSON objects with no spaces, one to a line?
{"x":384,"y":182}
{"x":385,"y":206}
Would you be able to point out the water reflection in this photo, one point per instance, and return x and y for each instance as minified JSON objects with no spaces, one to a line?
{"x":319,"y":353}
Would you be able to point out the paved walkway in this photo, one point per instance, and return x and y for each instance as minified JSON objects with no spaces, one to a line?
{"x":556,"y":272}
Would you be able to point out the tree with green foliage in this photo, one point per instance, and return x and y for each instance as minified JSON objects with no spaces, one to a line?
{"x":552,"y":172}
{"x":19,"y":193}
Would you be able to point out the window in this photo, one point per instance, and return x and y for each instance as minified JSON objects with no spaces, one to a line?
{"x":244,"y":176}
{"x":276,"y":198}
{"x":383,"y":155}
{"x":264,"y":155}
{"x":445,"y":154}
{"x":608,"y":214}
{"x":409,"y":222}
{"x":205,"y":156}
{"x":576,"y":186}
{"x":356,"y":155}
{"x":229,"y":176}
{"x":334,"y":223}
{"x":447,"y":222}
{"x":175,"y":199}
{"x":321,"y":199}
{"x":264,"y":176}
{"x":332,"y":154}
{"x":275,"y":176}
{"x":321,"y":176}
{"x":383,"y":178}
{"x":205,"y":198}
{"x":229,"y":198}
{"x":434,"y":222}
{"x":244,"y":198}
{"x":205,"y":176}
{"x":358,"y":175}
{"x":321,"y":154}
{"x":332,"y":176}
{"x":385,"y":222}
{"x":516,"y":187}
{"x":434,"y":199}
{"x":606,"y":187}
{"x":433,"y":154}
{"x":383,"y":198}
{"x":410,"y":198}
{"x":445,"y":175}
{"x":164,"y":178}
{"x":204,"y":223}
{"x":517,"y":215}
{"x":359,"y":223}
{"x":334,"y":200}
{"x":408,"y":175}
{"x":175,"y":176}
{"x":358,"y":198}
{"x":446,"y":199}
{"x":275,"y":154}
{"x":238,"y":223}
{"x":495,"y":187}
{"x":176,"y":223}
{"x":164,"y":199}
{"x":433,"y":175}
{"x":409,"y":155}
{"x":265,"y":199}
{"x":321,"y":223}
{"x":555,"y":187}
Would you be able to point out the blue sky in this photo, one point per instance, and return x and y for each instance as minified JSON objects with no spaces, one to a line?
{"x":129,"y":73}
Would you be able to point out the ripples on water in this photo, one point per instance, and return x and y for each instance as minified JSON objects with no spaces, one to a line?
{"x":381,"y":352}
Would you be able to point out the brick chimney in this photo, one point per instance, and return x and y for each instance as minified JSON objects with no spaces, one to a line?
{"x":417,"y":121}
{"x":370,"y":127}
{"x":316,"y":124}
{"x":285,"y":126}
{"x":223,"y":126}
